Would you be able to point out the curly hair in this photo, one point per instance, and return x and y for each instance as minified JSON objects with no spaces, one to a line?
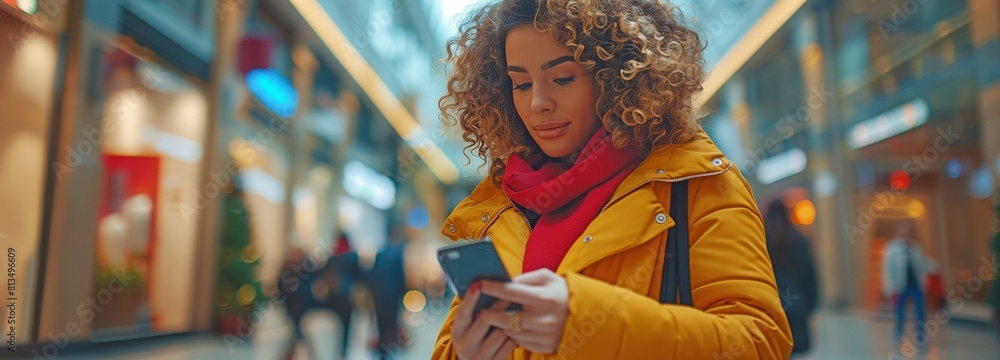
{"x":646,"y":64}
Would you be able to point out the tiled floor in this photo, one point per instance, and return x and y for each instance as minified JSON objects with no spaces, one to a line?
{"x":852,"y":336}
{"x":837,"y":336}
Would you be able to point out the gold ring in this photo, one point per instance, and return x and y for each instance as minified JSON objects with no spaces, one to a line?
{"x":515,"y":322}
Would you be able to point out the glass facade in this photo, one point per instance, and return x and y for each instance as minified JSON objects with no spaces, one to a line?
{"x":149,"y":116}
{"x":145,"y":106}
{"x":886,"y":100}
{"x":152,"y":121}
{"x":893,"y":55}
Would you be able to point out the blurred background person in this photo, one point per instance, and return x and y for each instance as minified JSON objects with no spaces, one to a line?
{"x":340,"y":274}
{"x":795,"y":272}
{"x":295,"y":287}
{"x":905,"y":270}
{"x":387,"y":281}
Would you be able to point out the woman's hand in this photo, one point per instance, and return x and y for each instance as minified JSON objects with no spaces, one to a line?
{"x":473,"y":339}
{"x":545,"y":298}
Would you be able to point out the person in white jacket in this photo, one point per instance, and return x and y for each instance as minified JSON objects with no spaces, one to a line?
{"x":904,"y":274}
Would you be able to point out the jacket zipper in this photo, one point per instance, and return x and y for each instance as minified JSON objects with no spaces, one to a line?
{"x":493,"y":220}
{"x":515,"y":209}
{"x":689,"y":177}
{"x":505,"y":208}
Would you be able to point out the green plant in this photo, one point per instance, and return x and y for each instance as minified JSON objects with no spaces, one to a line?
{"x":129,"y":278}
{"x":237,"y":290}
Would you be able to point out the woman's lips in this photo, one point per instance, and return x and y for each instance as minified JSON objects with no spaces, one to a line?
{"x":551,"y":130}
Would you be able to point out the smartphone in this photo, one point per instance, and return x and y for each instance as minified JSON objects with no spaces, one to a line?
{"x":467,"y":263}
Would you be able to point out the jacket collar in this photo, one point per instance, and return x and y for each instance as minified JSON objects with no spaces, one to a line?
{"x":668,"y":163}
{"x":471,"y":217}
{"x":676,"y":162}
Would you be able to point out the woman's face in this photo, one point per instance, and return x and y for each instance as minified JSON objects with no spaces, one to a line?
{"x":553,"y":94}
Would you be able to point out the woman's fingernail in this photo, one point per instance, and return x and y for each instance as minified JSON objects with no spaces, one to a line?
{"x":476,"y":286}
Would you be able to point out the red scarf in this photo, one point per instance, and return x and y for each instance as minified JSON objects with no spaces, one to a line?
{"x":567,"y":199}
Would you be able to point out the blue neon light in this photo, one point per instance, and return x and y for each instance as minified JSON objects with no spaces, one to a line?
{"x":417,"y":218}
{"x":274,"y":91}
{"x":953,"y":168}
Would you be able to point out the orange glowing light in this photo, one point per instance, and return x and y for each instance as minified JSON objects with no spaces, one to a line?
{"x":804,"y":213}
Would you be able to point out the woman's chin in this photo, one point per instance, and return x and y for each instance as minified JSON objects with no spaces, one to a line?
{"x":556,"y":153}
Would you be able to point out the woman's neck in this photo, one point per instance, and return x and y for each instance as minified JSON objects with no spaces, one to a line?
{"x":572,"y":158}
{"x":569,"y":160}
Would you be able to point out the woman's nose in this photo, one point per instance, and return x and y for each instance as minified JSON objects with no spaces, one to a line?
{"x":540,"y":100}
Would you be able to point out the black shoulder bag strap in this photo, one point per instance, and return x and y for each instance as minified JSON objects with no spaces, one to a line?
{"x":676,"y":280}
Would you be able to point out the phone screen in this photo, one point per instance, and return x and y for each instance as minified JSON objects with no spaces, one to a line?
{"x":465,"y":264}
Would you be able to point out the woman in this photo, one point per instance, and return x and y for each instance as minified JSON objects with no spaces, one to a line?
{"x":794,"y":271}
{"x":584,"y":112}
{"x":340,"y":274}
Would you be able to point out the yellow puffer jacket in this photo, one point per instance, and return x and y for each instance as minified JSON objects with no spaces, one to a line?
{"x":613,"y":271}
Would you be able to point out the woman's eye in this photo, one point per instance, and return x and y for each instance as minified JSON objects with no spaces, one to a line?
{"x":522,"y":86}
{"x":565,"y":80}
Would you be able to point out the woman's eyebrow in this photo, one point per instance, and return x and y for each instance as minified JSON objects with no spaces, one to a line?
{"x":547,"y":65}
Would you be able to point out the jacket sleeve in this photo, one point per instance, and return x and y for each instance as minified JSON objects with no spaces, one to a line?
{"x":737,"y":313}
{"x":443,"y":348}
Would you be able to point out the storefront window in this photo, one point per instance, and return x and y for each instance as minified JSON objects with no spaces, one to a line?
{"x":323,"y":127}
{"x":775,"y":89}
{"x":152,"y":122}
{"x":773,"y":115}
{"x":929,"y":172}
{"x":886,"y":47}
